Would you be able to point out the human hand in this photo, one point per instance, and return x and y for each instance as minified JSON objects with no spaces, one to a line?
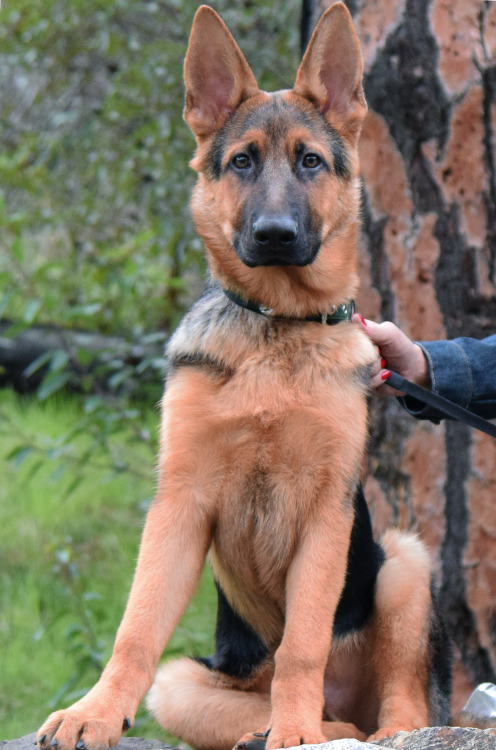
{"x":395,"y":352}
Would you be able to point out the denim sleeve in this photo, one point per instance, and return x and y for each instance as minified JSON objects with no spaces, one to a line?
{"x":462,"y":370}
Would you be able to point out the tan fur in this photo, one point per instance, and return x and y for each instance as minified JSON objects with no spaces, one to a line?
{"x":183,"y":683}
{"x":260,"y":452}
{"x":403,"y":605}
{"x":370,"y":678}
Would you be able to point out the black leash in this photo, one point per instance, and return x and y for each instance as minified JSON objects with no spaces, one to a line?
{"x":442,"y":404}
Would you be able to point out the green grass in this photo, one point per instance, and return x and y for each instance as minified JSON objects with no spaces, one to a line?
{"x":67,"y":558}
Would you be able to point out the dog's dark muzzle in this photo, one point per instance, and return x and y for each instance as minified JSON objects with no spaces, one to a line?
{"x":275,"y":240}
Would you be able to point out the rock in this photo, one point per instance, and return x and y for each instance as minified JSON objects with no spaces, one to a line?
{"x":341,"y":745}
{"x":127,"y":743}
{"x":443,"y":738}
{"x":430,"y":738}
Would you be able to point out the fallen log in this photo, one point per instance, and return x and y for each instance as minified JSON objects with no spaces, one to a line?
{"x":26,"y":355}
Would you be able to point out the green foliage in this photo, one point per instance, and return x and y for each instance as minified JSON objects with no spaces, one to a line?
{"x":94,"y":218}
{"x":67,"y":556}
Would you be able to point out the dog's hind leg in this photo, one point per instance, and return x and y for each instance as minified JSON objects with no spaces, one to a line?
{"x":203,"y":707}
{"x":402,"y":627}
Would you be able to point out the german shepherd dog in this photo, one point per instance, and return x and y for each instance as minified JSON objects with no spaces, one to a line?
{"x":322,"y":633}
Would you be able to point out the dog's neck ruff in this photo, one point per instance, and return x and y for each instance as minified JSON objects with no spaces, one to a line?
{"x":337,"y":313}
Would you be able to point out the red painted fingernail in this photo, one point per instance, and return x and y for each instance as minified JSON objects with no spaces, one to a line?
{"x":383,"y":362}
{"x":362,"y":319}
{"x":385,"y":375}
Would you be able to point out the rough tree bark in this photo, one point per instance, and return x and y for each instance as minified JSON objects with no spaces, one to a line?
{"x":428,"y":261}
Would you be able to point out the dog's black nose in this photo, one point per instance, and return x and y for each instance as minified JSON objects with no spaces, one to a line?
{"x":275,"y":230}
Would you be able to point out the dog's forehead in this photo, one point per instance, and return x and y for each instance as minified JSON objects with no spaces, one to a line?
{"x":276,"y":116}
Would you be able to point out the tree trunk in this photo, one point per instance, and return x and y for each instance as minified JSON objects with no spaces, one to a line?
{"x":428,"y":263}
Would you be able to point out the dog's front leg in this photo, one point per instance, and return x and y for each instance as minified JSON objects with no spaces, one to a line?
{"x":314,"y":584}
{"x":174,"y":545}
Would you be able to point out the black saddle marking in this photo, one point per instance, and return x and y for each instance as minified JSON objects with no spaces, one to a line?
{"x":238,"y":648}
{"x":365,"y":559}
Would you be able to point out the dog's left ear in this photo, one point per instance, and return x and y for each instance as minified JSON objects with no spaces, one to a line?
{"x":216,"y":74}
{"x":330,"y":74}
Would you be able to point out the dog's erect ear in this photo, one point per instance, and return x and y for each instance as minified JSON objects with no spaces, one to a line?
{"x":216,"y":74}
{"x":330,"y":74}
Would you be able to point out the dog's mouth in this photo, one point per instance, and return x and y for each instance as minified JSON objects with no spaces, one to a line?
{"x":254,"y":258}
{"x":273,"y":261}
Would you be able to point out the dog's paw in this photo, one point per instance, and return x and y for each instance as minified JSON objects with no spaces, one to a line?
{"x":253,"y":741}
{"x":293,"y":736}
{"x":80,"y":729}
{"x":389,"y":731}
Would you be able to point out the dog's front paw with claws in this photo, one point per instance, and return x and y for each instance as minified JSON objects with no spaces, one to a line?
{"x":83,"y":728}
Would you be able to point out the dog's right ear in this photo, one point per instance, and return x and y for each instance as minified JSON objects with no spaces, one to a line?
{"x":216,"y":74}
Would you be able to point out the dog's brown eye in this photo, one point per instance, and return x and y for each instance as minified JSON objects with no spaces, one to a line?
{"x":311,"y":161}
{"x":241,"y":161}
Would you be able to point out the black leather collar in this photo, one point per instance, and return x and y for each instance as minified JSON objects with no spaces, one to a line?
{"x":337,"y":314}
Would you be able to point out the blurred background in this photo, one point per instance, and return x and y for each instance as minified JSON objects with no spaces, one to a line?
{"x":98,"y":261}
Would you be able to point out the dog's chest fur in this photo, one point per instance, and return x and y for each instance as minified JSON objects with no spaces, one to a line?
{"x":275,"y":414}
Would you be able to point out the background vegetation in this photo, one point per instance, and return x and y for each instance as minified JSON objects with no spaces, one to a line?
{"x":95,"y":235}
